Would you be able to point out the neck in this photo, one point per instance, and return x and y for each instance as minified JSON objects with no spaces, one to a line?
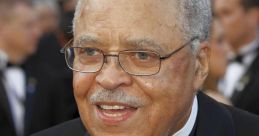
{"x":211,"y":84}
{"x":244,"y":41}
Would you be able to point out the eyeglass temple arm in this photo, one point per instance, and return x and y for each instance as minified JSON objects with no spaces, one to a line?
{"x":65,"y":46}
{"x":180,"y":48}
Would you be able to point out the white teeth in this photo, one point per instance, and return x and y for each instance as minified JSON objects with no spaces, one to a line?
{"x":115,"y":107}
{"x":112,"y":115}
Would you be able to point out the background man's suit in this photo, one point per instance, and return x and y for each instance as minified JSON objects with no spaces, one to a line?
{"x":6,"y":122}
{"x":46,"y":103}
{"x":213,"y":119}
{"x":247,"y":96}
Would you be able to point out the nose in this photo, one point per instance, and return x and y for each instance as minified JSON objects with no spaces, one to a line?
{"x":112,"y":75}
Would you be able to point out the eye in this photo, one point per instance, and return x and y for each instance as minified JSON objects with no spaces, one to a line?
{"x":90,"y":51}
{"x":142,"y":55}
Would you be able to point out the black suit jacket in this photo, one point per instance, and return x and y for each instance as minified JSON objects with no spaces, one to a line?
{"x":6,"y":121}
{"x":246,"y":94}
{"x":213,"y":119}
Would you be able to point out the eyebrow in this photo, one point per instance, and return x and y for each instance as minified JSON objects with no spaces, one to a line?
{"x":87,"y":38}
{"x":145,"y":43}
{"x":136,"y":43}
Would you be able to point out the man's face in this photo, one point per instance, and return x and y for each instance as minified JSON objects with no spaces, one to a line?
{"x":149,"y":105}
{"x":234,"y":20}
{"x":21,"y":31}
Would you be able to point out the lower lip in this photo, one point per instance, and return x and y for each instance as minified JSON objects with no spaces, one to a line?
{"x":114,"y":117}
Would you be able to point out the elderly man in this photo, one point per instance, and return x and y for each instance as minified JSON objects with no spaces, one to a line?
{"x":138,"y":66}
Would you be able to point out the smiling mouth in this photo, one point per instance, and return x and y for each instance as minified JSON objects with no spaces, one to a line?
{"x":114,"y":113}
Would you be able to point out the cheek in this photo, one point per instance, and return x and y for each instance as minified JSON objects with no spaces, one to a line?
{"x":174,"y":77}
{"x":182,"y":71}
{"x":170,"y":96}
{"x":171,"y":88}
{"x":82,"y":83}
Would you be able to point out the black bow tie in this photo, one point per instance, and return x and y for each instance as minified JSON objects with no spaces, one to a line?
{"x":238,"y":59}
{"x":11,"y":65}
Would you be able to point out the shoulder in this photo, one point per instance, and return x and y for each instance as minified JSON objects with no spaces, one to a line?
{"x":70,"y":128}
{"x":244,"y":122}
{"x":214,"y":117}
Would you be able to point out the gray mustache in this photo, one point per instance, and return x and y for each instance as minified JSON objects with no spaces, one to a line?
{"x":115,"y":96}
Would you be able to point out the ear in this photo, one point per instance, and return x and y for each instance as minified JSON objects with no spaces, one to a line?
{"x":201,"y":65}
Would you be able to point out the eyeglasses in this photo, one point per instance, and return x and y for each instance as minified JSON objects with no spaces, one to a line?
{"x":138,"y":63}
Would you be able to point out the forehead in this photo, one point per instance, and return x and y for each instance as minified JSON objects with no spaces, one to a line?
{"x":129,"y":19}
{"x":21,"y":8}
{"x":23,"y":12}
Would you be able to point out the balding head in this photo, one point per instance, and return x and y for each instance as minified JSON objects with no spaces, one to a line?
{"x":193,"y":17}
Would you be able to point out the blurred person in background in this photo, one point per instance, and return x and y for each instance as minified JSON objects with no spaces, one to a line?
{"x":218,"y":63}
{"x":241,"y":81}
{"x":48,"y":14}
{"x":18,"y":39}
{"x":51,"y":43}
{"x":31,"y":98}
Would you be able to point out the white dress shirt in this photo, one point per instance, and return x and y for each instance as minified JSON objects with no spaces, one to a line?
{"x":187,"y":128}
{"x":15,"y":86}
{"x":236,"y":70}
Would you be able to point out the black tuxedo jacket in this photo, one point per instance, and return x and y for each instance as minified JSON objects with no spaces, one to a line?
{"x":246,"y":94}
{"x":46,"y":103}
{"x":6,"y":121}
{"x":213,"y":119}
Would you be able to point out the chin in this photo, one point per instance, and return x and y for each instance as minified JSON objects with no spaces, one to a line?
{"x":101,"y":121}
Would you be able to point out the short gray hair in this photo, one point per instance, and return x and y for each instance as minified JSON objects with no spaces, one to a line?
{"x":78,"y":11}
{"x":194,"y":18}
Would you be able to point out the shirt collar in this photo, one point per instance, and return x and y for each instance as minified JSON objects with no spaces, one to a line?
{"x":187,"y":128}
{"x":247,"y":49}
{"x":3,"y":59}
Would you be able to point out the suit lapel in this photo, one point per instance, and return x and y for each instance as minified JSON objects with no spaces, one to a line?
{"x":31,"y":86}
{"x":241,"y":88}
{"x":213,"y":119}
{"x":5,"y":110}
